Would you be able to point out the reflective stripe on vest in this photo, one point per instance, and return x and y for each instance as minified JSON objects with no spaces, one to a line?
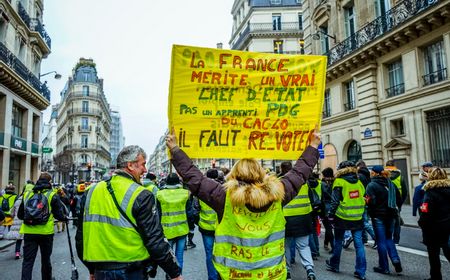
{"x":352,"y":206}
{"x":300,"y":205}
{"x":49,"y":227}
{"x":208,"y":217}
{"x":107,"y":235}
{"x":173,"y":211}
{"x":398,"y":183}
{"x":250,"y":245}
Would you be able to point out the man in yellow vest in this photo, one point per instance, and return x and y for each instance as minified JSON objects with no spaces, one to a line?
{"x":150,"y":183}
{"x":249,"y":237}
{"x":172,"y":202}
{"x":346,"y":213}
{"x":119,"y":233}
{"x":6,"y":204}
{"x":38,"y":209}
{"x":399,"y":182}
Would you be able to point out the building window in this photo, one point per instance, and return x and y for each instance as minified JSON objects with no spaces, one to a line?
{"x":84,"y":123}
{"x":435,"y":67}
{"x":349,"y":18}
{"x":396,"y":82}
{"x":354,"y":151}
{"x":350,"y":102}
{"x":85,"y":90}
{"x":85,"y":106}
{"x":278,"y":46}
{"x":276,"y":21}
{"x":84,"y":141}
{"x":324,"y":42}
{"x":397,"y":128}
{"x":300,"y":22}
{"x":84,"y":159}
{"x":327,"y":104}
{"x":16,"y":122}
{"x":275,"y":2}
{"x":439,"y":132}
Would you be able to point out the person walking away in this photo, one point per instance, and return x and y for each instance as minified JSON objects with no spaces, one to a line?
{"x":207,"y":226}
{"x":419,"y":193}
{"x":28,"y":187}
{"x":346,"y":213}
{"x":382,"y":198}
{"x":172,"y":203}
{"x":38,"y":210}
{"x":6,"y":203}
{"x":192,"y":219}
{"x":14,"y":232}
{"x":119,"y":235}
{"x":299,"y":226}
{"x":66,"y":204}
{"x":364,"y":177}
{"x":327,"y":188}
{"x":314,"y":184}
{"x":435,"y":219}
{"x":399,"y":182}
{"x":249,"y":208}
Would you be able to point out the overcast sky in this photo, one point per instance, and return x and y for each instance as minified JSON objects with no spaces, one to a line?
{"x":131,"y":41}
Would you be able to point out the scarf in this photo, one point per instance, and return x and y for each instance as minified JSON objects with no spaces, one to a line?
{"x":392,"y":196}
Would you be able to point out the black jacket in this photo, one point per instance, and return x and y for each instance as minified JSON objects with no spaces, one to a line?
{"x":435,"y":213}
{"x":327,"y":190}
{"x":348,"y":174}
{"x":377,"y":197}
{"x":56,"y":204}
{"x":364,"y":176}
{"x":147,"y":221}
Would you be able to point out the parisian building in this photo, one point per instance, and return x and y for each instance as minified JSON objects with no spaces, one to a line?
{"x":117,"y":140}
{"x":388,"y":88}
{"x":49,"y":142}
{"x":83,"y":127}
{"x":23,"y":44}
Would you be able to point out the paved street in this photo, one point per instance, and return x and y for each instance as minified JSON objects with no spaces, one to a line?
{"x":415,"y":264}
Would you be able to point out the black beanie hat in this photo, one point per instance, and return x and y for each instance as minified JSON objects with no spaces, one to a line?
{"x":345,"y":164}
{"x":172,"y":179}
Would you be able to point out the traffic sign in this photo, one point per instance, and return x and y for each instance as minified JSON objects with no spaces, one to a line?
{"x":46,"y":150}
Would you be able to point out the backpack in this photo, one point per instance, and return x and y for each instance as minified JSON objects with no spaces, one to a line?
{"x":37,"y":210}
{"x":5,"y":204}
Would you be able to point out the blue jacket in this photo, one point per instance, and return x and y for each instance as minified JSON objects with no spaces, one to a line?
{"x":419,"y":193}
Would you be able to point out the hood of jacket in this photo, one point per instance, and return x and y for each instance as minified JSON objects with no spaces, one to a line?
{"x":349,"y":174}
{"x":42,"y":185}
{"x":258,"y":194}
{"x":434,"y":184}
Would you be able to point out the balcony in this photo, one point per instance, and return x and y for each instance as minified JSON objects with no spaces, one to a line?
{"x":6,"y":77}
{"x":285,"y":29}
{"x":435,"y":77}
{"x":397,"y":16}
{"x":80,"y":111}
{"x":395,"y":90}
{"x":84,"y":128}
{"x":23,"y":14}
{"x":36,"y":25}
{"x":89,"y":147}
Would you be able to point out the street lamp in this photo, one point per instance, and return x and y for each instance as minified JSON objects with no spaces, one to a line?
{"x":57,"y":75}
{"x":316,"y":36}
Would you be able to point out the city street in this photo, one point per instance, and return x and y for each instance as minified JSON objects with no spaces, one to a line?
{"x":414,"y":260}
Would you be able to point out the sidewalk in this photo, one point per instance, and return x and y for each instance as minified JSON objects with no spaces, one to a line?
{"x":5,"y":243}
{"x":408,"y":218}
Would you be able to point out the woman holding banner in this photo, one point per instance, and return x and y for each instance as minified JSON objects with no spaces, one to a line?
{"x":249,"y":240}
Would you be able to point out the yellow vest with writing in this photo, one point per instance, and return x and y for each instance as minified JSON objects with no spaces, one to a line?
{"x":351,"y":208}
{"x":250,"y":245}
{"x":173,"y":211}
{"x":107,"y":235}
{"x":49,"y":227}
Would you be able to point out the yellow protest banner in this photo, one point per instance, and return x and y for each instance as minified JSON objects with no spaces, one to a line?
{"x":235,"y":104}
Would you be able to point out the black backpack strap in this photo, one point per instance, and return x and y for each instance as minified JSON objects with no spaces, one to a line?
{"x":111,"y":191}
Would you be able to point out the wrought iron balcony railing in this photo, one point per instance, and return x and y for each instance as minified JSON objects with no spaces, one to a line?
{"x":23,"y":14}
{"x":393,"y":18}
{"x":37,"y":26}
{"x":349,"y":106}
{"x":435,"y":77}
{"x":395,"y":90}
{"x":15,"y":64}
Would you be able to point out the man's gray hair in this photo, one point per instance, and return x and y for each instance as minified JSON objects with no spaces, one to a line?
{"x":129,"y":154}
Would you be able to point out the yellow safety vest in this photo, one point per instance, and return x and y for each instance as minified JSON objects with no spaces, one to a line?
{"x":29,"y":187}
{"x":250,"y":245}
{"x":49,"y":227}
{"x":11,"y":198}
{"x":351,"y":208}
{"x":300,"y":205}
{"x":208,"y":217}
{"x":173,"y":211}
{"x":107,"y":235}
{"x":318,"y":189}
{"x":398,"y":183}
{"x":151,"y":186}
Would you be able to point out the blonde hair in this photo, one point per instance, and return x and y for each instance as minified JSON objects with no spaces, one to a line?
{"x":247,"y":170}
{"x":437,"y":173}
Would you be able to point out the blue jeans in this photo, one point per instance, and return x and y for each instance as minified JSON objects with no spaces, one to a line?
{"x":179,"y":243}
{"x":383,"y":231}
{"x":120,"y":274}
{"x":360,"y":266}
{"x":314,"y":244}
{"x":208,"y":243}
